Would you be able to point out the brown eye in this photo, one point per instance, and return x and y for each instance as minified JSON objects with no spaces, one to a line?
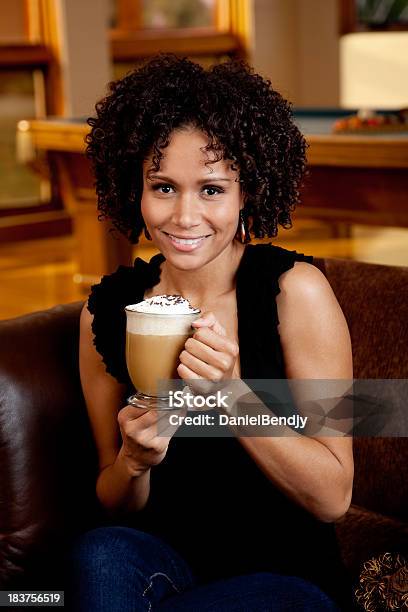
{"x":161,"y":186}
{"x":213,"y":189}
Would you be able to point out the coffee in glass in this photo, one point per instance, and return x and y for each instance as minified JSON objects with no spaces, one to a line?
{"x":156,"y":331}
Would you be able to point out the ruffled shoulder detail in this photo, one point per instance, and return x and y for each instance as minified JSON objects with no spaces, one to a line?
{"x":257,"y":288}
{"x":281,"y":260}
{"x":261,"y":267}
{"x":107,"y":302}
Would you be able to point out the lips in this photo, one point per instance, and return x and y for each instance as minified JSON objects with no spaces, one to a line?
{"x":185,"y":243}
{"x":185,"y":237}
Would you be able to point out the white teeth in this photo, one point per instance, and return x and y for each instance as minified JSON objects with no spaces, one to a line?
{"x":182,"y":241}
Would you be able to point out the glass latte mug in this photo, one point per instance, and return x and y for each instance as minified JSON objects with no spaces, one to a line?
{"x":154,"y":341}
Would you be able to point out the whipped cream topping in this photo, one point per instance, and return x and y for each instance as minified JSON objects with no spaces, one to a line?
{"x":164,"y":304}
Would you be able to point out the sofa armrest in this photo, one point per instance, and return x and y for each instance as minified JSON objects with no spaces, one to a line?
{"x":362,"y":534}
{"x":47,"y":456}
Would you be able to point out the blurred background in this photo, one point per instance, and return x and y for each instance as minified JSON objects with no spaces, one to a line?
{"x":331,"y":58}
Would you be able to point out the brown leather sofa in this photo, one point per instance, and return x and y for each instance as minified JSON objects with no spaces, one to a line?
{"x":48,"y":462}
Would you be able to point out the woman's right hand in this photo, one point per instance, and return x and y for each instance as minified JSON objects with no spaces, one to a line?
{"x":142,"y":446}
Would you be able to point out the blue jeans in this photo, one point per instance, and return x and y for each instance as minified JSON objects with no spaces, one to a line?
{"x":120,"y":569}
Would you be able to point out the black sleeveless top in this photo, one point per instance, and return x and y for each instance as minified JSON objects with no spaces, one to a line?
{"x":208,"y":498}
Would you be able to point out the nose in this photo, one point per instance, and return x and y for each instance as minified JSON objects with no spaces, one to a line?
{"x":186,"y":213}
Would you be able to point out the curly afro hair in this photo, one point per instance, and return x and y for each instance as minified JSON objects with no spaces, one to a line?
{"x":246,"y":121}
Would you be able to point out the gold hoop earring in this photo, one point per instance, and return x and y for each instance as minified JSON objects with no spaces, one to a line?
{"x":244,"y":234}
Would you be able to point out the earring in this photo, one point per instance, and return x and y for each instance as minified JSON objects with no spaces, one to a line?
{"x":146,"y":233}
{"x":243,"y":230}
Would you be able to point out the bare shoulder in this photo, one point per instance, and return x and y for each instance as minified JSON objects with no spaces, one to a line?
{"x":304,"y":279}
{"x":103,"y":394}
{"x":312,"y":327}
{"x":316,"y":344}
{"x":85,"y":322}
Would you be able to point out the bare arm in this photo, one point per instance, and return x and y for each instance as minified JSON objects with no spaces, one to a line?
{"x":122,"y":484}
{"x":317,"y":472}
{"x":120,"y":492}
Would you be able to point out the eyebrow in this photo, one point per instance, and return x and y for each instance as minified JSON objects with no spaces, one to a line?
{"x":201,"y":182}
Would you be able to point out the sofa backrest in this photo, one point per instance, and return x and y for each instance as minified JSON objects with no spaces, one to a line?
{"x":374,"y":299}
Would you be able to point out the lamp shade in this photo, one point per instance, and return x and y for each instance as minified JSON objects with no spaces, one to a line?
{"x":374,"y":70}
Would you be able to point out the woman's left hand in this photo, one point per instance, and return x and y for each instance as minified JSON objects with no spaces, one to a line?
{"x":208,"y":354}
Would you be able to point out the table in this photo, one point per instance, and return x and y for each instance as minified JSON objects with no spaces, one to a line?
{"x":351,"y":179}
{"x":100,"y":247}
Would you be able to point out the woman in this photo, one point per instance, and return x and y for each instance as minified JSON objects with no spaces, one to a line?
{"x":242,"y":523}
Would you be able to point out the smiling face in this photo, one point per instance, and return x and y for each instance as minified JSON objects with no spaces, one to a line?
{"x":191,"y":210}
